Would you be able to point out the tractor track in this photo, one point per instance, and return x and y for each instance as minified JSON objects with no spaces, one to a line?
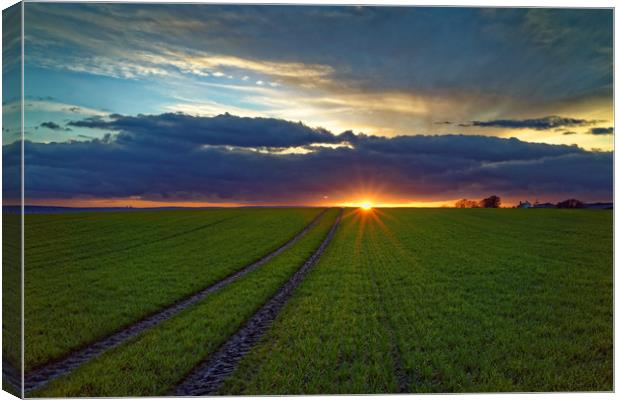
{"x":400,"y":373}
{"x":208,"y":375}
{"x":41,"y":376}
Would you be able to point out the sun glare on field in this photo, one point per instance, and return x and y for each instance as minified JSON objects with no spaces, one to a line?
{"x":366,"y":206}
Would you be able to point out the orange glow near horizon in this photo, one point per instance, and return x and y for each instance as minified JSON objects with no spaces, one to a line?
{"x":395,"y":204}
{"x":363,"y":192}
{"x":368,"y":203}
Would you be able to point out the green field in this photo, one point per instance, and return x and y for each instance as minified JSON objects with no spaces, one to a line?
{"x":403,"y":300}
{"x":87,"y":275}
{"x":11,"y":302}
{"x":157,"y":359}
{"x":451,"y":300}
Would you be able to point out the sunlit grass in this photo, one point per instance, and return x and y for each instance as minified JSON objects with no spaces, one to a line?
{"x":462,"y":300}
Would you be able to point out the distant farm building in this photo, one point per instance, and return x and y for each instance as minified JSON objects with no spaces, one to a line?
{"x":524,"y":204}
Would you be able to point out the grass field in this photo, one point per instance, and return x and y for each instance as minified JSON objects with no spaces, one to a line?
{"x":157,"y":359}
{"x":403,"y":300}
{"x":448,"y":301}
{"x":88,"y":275}
{"x":11,"y":307}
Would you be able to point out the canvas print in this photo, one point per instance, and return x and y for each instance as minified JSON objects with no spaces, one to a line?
{"x":229,"y":199}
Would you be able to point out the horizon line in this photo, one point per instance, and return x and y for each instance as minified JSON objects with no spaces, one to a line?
{"x":349,"y":205}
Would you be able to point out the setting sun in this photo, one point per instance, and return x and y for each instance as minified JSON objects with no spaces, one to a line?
{"x":366,"y":206}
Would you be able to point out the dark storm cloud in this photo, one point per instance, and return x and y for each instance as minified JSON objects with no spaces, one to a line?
{"x":164,"y":157}
{"x":178,"y":129}
{"x":474,"y":148}
{"x":550,"y":122}
{"x":53,"y":126}
{"x":602,"y":131}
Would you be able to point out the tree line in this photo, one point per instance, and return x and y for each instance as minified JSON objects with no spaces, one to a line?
{"x":495,"y":202}
{"x":489,"y":202}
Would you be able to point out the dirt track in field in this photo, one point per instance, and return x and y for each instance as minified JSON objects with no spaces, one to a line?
{"x":207,"y":376}
{"x":39,"y":377}
{"x":399,"y":371}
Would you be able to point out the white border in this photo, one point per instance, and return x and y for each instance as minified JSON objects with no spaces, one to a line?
{"x":453,"y":3}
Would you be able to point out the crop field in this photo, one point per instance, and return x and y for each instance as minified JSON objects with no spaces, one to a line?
{"x":448,"y":301}
{"x":88,"y":275}
{"x":351,"y":301}
{"x":11,"y":307}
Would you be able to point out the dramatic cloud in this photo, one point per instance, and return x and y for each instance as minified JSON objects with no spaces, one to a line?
{"x":336,"y":67}
{"x":550,"y":122}
{"x":602,"y":131}
{"x":177,"y":157}
{"x":185,"y":130}
{"x":310,"y":42}
{"x":53,"y":126}
{"x":385,"y":71}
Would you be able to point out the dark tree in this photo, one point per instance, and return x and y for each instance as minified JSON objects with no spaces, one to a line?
{"x":491,"y":202}
{"x":464,"y":203}
{"x":570,"y":203}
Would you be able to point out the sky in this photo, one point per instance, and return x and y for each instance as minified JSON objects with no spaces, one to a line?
{"x":137,"y":104}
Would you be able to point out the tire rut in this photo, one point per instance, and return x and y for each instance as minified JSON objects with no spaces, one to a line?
{"x":41,"y":376}
{"x":207,"y":376}
{"x":399,"y":371}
